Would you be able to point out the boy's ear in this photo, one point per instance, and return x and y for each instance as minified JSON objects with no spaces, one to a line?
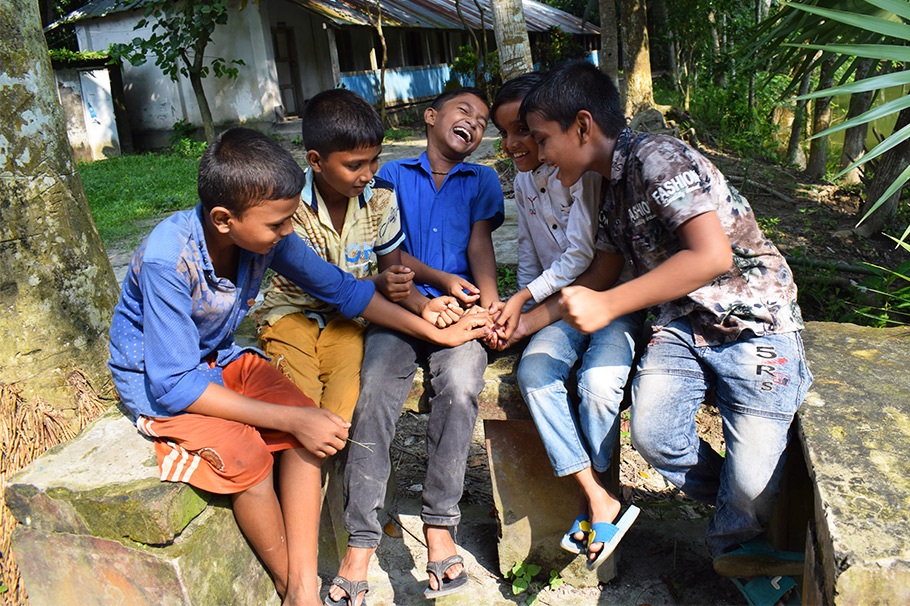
{"x":584,"y":122}
{"x":221,"y":218}
{"x":429,"y":116}
{"x":314,"y":160}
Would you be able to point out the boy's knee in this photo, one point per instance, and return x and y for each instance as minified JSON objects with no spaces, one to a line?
{"x":539,"y":370}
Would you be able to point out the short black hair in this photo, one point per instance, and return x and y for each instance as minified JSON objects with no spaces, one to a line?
{"x":439,"y":101}
{"x":515,"y":89}
{"x":243,"y":168}
{"x":339,"y":120}
{"x":574,"y":86}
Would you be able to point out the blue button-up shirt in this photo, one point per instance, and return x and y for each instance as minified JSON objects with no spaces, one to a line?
{"x":437,"y":223}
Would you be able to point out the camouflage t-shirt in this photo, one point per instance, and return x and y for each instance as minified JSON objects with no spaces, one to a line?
{"x":658,"y":183}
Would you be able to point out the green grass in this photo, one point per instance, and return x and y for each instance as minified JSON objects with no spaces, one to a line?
{"x":125,"y":193}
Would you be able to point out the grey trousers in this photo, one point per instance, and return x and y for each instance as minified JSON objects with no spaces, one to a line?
{"x":390,"y":361}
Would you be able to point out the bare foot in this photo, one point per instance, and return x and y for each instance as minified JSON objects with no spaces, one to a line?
{"x":354,"y":567}
{"x":440,"y":545}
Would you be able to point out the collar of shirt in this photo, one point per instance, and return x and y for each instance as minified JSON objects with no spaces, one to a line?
{"x":423,"y":161}
{"x":199,"y":234}
{"x":621,"y":152}
{"x":310,"y":198}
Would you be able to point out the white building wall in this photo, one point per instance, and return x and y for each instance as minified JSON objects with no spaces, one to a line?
{"x":311,"y":36}
{"x":155,"y":103}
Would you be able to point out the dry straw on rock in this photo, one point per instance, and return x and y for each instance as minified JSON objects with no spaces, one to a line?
{"x":27,"y":430}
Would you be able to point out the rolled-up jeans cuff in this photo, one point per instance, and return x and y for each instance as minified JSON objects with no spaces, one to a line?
{"x":362,"y":543}
{"x":436,"y":520}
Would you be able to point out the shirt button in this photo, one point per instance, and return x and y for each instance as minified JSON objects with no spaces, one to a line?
{"x":435,"y":229}
{"x":554,"y":226}
{"x":251,"y":302}
{"x":543,"y":190}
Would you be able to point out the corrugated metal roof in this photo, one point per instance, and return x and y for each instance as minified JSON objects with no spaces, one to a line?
{"x":432,"y":14}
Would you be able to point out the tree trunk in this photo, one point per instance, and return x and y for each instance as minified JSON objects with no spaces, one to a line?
{"x":511,"y":38}
{"x":473,"y":35}
{"x":799,"y":121}
{"x":208,"y":125}
{"x":194,"y":67}
{"x":891,"y":164}
{"x":661,"y":22}
{"x":821,"y":119}
{"x":609,"y":39}
{"x":486,"y":74}
{"x":855,"y":137}
{"x":720,"y":78}
{"x":377,"y":25}
{"x":57,"y":288}
{"x":637,"y":87}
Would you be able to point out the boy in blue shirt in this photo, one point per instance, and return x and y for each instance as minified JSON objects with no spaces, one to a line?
{"x":449,"y":209}
{"x":217,"y":412}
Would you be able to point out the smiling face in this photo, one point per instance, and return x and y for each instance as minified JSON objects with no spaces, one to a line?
{"x":517,"y":142}
{"x":344,"y":174}
{"x":261,"y":227}
{"x":563,"y":149}
{"x":457,"y":127}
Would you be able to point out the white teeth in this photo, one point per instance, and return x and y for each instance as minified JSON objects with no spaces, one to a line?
{"x":463,"y":133}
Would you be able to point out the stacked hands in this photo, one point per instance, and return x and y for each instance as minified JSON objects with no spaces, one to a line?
{"x":501,"y":324}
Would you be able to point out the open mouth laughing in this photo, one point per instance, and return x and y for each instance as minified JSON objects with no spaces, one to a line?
{"x":464,"y":134}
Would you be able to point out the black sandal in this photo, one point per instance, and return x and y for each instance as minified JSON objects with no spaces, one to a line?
{"x":446,"y":586}
{"x":352,"y":588}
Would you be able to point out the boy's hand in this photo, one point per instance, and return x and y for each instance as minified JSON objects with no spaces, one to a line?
{"x":508,"y":318}
{"x":584,"y":309}
{"x":320,"y":431}
{"x":520,"y":332}
{"x":442,"y":311}
{"x":456,"y":286}
{"x":395,"y":283}
{"x":469,"y":327}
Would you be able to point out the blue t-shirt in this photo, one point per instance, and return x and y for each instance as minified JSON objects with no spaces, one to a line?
{"x":173,"y":328}
{"x":437,"y":223}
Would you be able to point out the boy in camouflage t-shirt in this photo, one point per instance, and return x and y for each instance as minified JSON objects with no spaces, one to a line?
{"x":724,"y":301}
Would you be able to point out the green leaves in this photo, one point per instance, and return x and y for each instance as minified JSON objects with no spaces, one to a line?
{"x":522,"y":576}
{"x":180,"y":32}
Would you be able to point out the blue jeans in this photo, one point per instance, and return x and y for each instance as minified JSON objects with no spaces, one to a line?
{"x":759,"y":384}
{"x":578,"y":437}
{"x":390,"y":360}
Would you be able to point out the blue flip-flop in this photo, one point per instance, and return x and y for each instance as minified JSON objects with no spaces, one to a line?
{"x":610,"y":535}
{"x":570,"y":543}
{"x":759,"y":558}
{"x":766,"y":591}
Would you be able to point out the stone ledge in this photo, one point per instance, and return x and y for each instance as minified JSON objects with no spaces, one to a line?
{"x":855,"y":432}
{"x":83,"y":487}
{"x":96,"y":503}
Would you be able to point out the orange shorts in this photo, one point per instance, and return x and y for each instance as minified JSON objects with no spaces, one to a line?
{"x":218,"y":455}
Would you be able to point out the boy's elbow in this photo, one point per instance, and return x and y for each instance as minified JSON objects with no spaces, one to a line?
{"x":722,"y":260}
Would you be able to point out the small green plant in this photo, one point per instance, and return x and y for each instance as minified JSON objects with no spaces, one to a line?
{"x":768,"y":226}
{"x":297,"y":140}
{"x":181,"y":130}
{"x":396,"y":134}
{"x":889,"y":295}
{"x":66,"y":56}
{"x":189,"y":148}
{"x":506,"y":280}
{"x":522,"y":577}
